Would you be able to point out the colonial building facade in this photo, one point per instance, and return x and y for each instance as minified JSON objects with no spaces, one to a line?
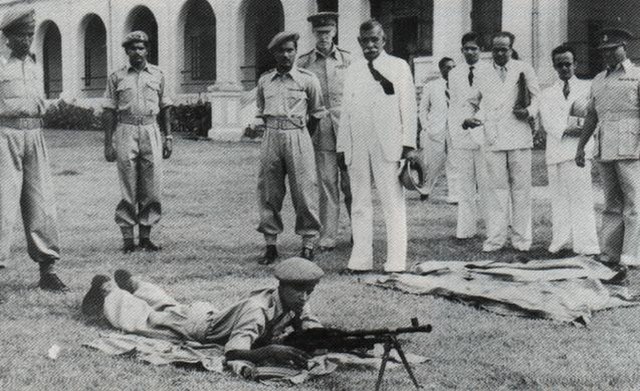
{"x":216,"y":49}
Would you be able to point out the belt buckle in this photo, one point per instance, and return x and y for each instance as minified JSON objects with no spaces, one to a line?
{"x":281,"y":123}
{"x":139,"y":121}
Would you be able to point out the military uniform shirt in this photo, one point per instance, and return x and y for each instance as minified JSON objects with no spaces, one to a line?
{"x":132,"y":92}
{"x":21,"y":88}
{"x":615,"y":100}
{"x":330,"y":70}
{"x":293,"y":94}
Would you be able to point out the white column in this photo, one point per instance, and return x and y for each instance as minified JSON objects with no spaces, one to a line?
{"x":352,"y":14}
{"x":295,"y":19}
{"x":73,"y":47}
{"x":552,"y":31}
{"x":227,"y":49}
{"x":516,"y":18}
{"x":450,"y":21}
{"x":167,"y":36}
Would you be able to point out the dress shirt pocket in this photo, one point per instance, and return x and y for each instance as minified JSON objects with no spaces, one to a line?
{"x":152,"y":91}
{"x":294,"y":102}
{"x":12,"y":88}
{"x":125,"y":91}
{"x":629,"y":133}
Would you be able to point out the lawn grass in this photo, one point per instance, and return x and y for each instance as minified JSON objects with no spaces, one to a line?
{"x":210,"y":249}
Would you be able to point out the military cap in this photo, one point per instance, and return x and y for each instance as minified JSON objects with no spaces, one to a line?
{"x":613,"y":37}
{"x":298,"y":270}
{"x":19,"y":19}
{"x":282,"y":37}
{"x":135,"y":36}
{"x":322,"y":19}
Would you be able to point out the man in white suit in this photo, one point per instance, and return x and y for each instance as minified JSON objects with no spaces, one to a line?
{"x":377,"y":130}
{"x":507,"y":143}
{"x":434,"y":138}
{"x":562,"y":110}
{"x":465,"y":153}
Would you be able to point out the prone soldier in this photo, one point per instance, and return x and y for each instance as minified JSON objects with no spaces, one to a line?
{"x":135,"y":96}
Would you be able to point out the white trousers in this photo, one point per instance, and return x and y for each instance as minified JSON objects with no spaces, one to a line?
{"x":573,"y":214}
{"x":469,"y":166}
{"x":437,"y":157}
{"x":368,"y":162}
{"x":509,"y":194}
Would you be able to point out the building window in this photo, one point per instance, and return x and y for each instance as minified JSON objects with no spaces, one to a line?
{"x":327,"y":5}
{"x":199,"y":43}
{"x":486,"y":19}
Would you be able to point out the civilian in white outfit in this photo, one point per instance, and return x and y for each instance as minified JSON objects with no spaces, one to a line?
{"x":507,"y":143}
{"x":377,"y":130}
{"x":465,"y":154}
{"x":434,"y":138}
{"x":562,"y":110}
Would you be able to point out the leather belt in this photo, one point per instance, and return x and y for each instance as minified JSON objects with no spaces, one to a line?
{"x":284,"y":123}
{"x":137,"y":119}
{"x":22,"y":123}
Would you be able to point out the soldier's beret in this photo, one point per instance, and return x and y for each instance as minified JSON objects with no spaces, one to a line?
{"x":19,"y":19}
{"x":613,"y":37}
{"x":298,"y":270}
{"x":322,"y":19}
{"x":282,"y":37}
{"x":135,"y":36}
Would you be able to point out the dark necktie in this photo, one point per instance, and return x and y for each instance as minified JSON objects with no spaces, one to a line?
{"x":471,"y":76}
{"x":566,"y":89}
{"x":387,"y":86}
{"x":447,"y":94}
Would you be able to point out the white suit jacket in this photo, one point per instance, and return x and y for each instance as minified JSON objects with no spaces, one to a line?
{"x":554,"y":113}
{"x":433,"y":110}
{"x":496,"y":99}
{"x":459,"y":107}
{"x":392,"y":119}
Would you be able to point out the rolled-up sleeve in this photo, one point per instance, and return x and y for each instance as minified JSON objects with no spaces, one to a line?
{"x":163,"y":99}
{"x":249,"y":326}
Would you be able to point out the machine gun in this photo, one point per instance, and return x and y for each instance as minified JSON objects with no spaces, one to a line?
{"x":334,"y":340}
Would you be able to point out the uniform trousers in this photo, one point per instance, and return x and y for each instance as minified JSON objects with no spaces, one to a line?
{"x":620,"y":222}
{"x":508,"y":194}
{"x":437,"y":157}
{"x":573,"y":214}
{"x":332,"y":180}
{"x":25,"y":183}
{"x":139,"y":160}
{"x":469,"y":164}
{"x":288,"y":153}
{"x":367,"y":162}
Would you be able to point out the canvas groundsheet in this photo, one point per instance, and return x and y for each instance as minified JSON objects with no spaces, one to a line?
{"x":565,"y":290}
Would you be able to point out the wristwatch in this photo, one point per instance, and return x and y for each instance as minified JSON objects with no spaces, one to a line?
{"x":168,"y":137}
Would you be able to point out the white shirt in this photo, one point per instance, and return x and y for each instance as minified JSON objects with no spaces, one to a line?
{"x":434,"y":109}
{"x":555,"y":112}
{"x":390,"y":120}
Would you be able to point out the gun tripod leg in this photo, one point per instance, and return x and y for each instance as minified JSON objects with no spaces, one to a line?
{"x":405,"y":363}
{"x":383,"y":364}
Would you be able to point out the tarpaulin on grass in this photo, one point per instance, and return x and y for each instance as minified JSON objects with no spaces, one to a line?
{"x":566,"y":290}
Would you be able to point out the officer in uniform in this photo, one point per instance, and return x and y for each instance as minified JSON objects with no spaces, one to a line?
{"x":25,"y":177}
{"x":250,"y":330}
{"x":329,"y":63}
{"x":614,"y":111}
{"x":289,"y":100}
{"x":135,"y":97}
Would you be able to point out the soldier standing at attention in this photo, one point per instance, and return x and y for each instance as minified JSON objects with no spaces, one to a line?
{"x":614,"y":111}
{"x":25,"y":177}
{"x":289,"y":101}
{"x":329,"y":63}
{"x":134,"y":98}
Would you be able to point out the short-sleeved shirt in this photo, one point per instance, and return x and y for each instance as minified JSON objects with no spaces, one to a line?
{"x":615,"y":97}
{"x":295,"y":94}
{"x":133,"y":92}
{"x":259,"y":317}
{"x":21,"y":88}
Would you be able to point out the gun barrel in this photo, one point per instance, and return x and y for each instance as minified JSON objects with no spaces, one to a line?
{"x":400,"y":330}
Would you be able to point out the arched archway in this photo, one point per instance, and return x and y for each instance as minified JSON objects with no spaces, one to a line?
{"x":141,"y":18}
{"x":198,"y":56}
{"x":263,"y":19}
{"x":51,"y":55}
{"x":94,"y":58}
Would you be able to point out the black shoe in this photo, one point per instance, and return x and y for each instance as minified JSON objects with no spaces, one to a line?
{"x":270,"y":255}
{"x":94,"y":299}
{"x":124,"y":281}
{"x":51,"y":282}
{"x":621,"y":271}
{"x":129,"y":246}
{"x":147,"y":245}
{"x":353,"y":272}
{"x":307,"y":253}
{"x":424,"y":197}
